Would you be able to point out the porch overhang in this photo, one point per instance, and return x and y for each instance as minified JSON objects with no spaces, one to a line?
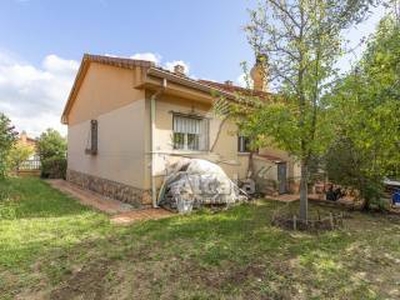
{"x":181,"y":86}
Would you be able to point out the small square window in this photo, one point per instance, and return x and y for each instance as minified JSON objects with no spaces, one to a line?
{"x":244,"y":144}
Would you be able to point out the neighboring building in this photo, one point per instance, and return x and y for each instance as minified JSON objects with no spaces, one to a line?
{"x":129,"y":119}
{"x":33,"y":162}
{"x":25,"y":140}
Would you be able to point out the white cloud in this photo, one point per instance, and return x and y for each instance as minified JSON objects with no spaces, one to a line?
{"x":34,"y":97}
{"x":169,"y":65}
{"x":244,"y":81}
{"x":55,"y":64}
{"x":149,"y":56}
{"x":157,"y":59}
{"x":154,"y":57}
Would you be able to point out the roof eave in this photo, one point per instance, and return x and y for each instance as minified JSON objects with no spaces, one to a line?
{"x":86,"y":60}
{"x":79,"y":76}
{"x":185,"y":81}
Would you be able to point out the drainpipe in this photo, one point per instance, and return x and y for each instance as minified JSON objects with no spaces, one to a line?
{"x":152,"y":140}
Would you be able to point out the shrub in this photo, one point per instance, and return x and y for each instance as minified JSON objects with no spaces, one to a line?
{"x":7,"y":140}
{"x":350,"y":166}
{"x":54,"y":167}
{"x":52,"y":149}
{"x":18,"y":154}
{"x":51,"y":144}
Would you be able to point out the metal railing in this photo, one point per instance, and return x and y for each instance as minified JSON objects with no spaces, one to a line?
{"x":31,"y":164}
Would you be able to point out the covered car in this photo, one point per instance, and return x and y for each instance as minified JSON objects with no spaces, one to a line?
{"x":191,"y":183}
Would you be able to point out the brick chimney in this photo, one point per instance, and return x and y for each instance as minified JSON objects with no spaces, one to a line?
{"x":259,"y":73}
{"x":23,"y":137}
{"x":179,"y":70}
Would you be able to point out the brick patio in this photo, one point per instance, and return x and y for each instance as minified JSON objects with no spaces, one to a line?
{"x":120,"y":213}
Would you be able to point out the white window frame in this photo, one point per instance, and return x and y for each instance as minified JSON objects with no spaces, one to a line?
{"x":187,"y":125}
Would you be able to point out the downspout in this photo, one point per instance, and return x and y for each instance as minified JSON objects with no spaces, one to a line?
{"x":152,"y":140}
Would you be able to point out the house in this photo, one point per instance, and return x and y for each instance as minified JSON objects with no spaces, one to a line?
{"x":128,"y":120}
{"x":32,"y":165}
{"x":25,"y":140}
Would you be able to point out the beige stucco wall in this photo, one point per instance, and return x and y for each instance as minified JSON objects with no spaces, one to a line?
{"x":264,"y":168}
{"x":120,"y":146}
{"x":293,"y":170}
{"x":107,"y":94}
{"x":225,"y":149}
{"x":104,"y":89}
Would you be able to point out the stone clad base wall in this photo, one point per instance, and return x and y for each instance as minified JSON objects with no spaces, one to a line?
{"x":115,"y":190}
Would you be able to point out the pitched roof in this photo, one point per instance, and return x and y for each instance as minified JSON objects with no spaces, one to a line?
{"x":207,"y":86}
{"x":234,"y":89}
{"x":188,"y":81}
{"x":126,"y":63}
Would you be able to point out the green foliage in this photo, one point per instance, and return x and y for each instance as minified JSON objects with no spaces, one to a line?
{"x":52,"y":149}
{"x":6,"y":205}
{"x":300,"y":42}
{"x":54,"y":167}
{"x":18,"y":154}
{"x":7,"y":139}
{"x":348,"y":166}
{"x":51,"y":144}
{"x":364,"y":115}
{"x":4,"y":193}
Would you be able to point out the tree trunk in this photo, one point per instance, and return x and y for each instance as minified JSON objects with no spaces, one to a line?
{"x":304,"y":191}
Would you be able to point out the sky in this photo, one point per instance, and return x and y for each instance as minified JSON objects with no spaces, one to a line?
{"x":42,"y":43}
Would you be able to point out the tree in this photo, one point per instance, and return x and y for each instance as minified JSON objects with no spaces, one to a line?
{"x":51,"y":144}
{"x":300,"y":42}
{"x":18,"y":154}
{"x":52,"y":148}
{"x":7,"y":139}
{"x":368,"y":137}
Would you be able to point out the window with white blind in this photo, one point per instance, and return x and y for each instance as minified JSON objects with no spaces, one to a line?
{"x":190,"y":133}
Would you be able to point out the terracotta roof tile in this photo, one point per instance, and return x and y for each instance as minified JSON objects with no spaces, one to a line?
{"x":118,"y":61}
{"x":234,"y":89}
{"x":131,"y":63}
{"x":231,"y":91}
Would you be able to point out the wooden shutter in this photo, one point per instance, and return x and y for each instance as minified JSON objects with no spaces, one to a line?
{"x":93,"y":136}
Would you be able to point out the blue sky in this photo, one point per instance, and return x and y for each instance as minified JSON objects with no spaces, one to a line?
{"x":205,"y":33}
{"x":42,"y":42}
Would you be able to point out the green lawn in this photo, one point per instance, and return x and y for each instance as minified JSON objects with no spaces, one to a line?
{"x":51,"y":247}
